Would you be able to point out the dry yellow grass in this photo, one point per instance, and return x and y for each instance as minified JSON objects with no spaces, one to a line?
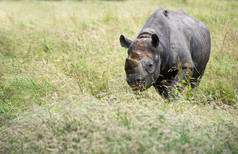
{"x":63,"y":88}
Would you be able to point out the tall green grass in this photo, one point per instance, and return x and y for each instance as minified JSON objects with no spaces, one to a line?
{"x":63,"y":88}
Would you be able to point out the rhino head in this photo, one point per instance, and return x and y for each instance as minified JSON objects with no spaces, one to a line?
{"x":142,"y":66}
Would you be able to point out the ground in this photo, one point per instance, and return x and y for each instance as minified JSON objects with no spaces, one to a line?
{"x":63,"y":87}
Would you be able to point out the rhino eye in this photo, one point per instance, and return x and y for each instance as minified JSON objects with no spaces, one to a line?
{"x":150,"y":68}
{"x":151,"y":65}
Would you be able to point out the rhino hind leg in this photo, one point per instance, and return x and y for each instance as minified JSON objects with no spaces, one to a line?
{"x":197,"y":77}
{"x":195,"y":82}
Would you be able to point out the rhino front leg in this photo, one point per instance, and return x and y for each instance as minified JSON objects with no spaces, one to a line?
{"x":181,"y":80}
{"x":162,"y":89}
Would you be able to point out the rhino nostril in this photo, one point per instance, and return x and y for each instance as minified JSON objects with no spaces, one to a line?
{"x":138,"y":81}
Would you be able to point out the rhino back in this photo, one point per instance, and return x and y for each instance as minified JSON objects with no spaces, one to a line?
{"x":183,"y":36}
{"x":197,"y":38}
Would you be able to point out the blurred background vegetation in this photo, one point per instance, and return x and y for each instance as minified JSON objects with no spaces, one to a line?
{"x":63,"y":88}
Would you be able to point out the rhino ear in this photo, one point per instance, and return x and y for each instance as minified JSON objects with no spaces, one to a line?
{"x":155,"y":40}
{"x":125,"y":42}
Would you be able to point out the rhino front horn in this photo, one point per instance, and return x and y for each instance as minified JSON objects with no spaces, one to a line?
{"x":131,"y":65}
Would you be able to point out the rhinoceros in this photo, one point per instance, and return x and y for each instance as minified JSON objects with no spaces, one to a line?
{"x":171,"y":50}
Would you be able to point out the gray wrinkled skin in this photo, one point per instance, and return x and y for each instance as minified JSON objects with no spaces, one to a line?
{"x":168,"y":38}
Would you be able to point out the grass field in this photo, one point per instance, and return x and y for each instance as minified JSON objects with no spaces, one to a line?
{"x":63,"y":87}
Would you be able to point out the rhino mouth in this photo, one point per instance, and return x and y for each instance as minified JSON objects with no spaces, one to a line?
{"x":140,"y":87}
